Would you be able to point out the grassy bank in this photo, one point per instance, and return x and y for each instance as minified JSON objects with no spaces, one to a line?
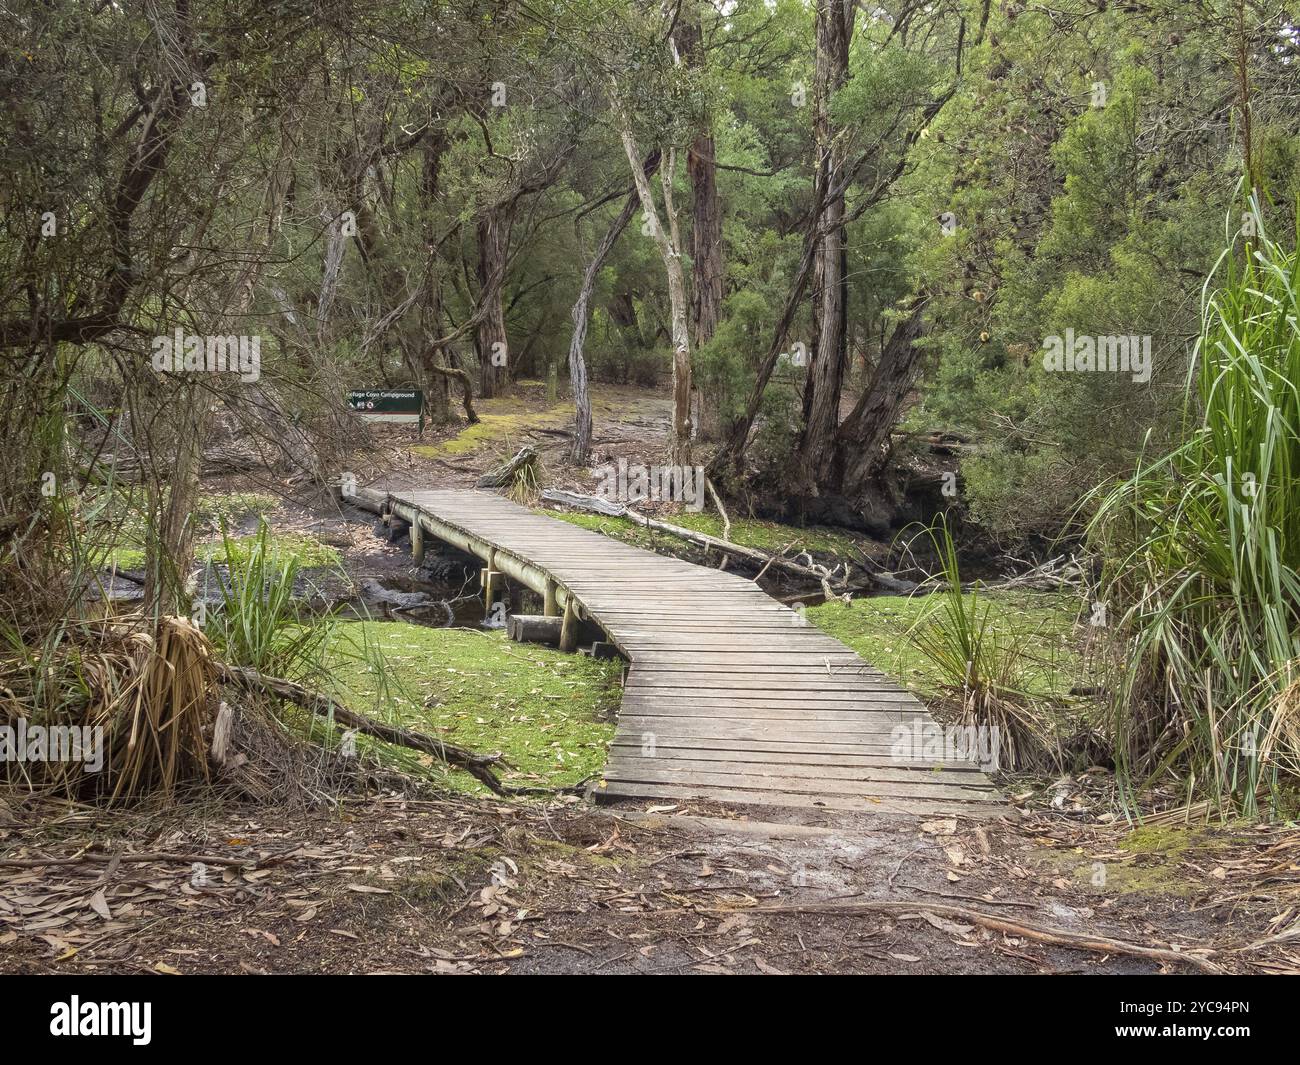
{"x":878,"y":629}
{"x":550,"y":714}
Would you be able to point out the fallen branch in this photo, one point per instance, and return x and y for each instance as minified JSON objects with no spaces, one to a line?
{"x":614,"y":510}
{"x":1052,"y":936}
{"x":726,"y":521}
{"x":476,"y":765}
{"x":147,"y":856}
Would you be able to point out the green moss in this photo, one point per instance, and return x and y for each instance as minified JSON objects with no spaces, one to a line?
{"x":232,"y":508}
{"x":501,"y":421}
{"x":1169,"y":860}
{"x":549,"y":713}
{"x":877,"y":628}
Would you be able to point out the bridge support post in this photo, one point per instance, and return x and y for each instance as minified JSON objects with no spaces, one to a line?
{"x":569,"y":627}
{"x":417,"y":542}
{"x":550,"y":609}
{"x":490,"y":578}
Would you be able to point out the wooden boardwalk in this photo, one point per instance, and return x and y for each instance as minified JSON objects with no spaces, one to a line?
{"x":729,"y":696}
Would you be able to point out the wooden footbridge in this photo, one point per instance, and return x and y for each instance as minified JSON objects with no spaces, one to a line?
{"x":730,"y":695}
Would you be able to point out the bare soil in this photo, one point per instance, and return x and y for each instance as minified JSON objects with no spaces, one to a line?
{"x":460,"y":885}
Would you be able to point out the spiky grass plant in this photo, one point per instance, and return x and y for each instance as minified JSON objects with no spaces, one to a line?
{"x":260,"y":622}
{"x":1201,"y":576}
{"x":982,"y":668}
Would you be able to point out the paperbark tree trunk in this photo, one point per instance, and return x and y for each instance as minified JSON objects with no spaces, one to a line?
{"x":706,"y":227}
{"x":668,"y":240}
{"x":862,"y":438}
{"x":490,"y":338}
{"x":580,"y":453}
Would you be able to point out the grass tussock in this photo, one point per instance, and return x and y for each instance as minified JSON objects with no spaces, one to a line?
{"x":983,"y":667}
{"x":1202,"y":578}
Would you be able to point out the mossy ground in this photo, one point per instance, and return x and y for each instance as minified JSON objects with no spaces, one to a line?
{"x":1042,"y":623}
{"x":214,"y":511}
{"x":1171,"y":860}
{"x":504,"y":419}
{"x":550,"y":714}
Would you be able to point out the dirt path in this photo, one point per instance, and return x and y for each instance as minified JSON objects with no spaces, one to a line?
{"x":453,"y":884}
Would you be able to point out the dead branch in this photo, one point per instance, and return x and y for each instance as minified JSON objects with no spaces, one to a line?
{"x":477,"y":765}
{"x":995,"y":922}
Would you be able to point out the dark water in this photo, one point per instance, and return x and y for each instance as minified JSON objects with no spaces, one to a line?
{"x":438,"y":604}
{"x":432,"y":600}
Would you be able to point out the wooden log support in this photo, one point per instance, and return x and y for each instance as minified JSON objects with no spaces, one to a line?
{"x":490,"y":578}
{"x":534,"y":628}
{"x":550,"y":607}
{"x":417,"y":543}
{"x":569,"y":627}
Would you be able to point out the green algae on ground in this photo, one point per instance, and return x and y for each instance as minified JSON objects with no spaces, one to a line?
{"x":550,"y":714}
{"x":310,"y":552}
{"x":877,"y":628}
{"x":1170,"y":860}
{"x":213,"y":509}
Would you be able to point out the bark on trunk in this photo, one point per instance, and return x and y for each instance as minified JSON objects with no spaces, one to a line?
{"x":490,"y":339}
{"x":580,"y":453}
{"x":825,"y":381}
{"x":706,"y":229}
{"x":862,"y":438}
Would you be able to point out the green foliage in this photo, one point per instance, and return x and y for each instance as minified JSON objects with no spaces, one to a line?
{"x":261,"y":622}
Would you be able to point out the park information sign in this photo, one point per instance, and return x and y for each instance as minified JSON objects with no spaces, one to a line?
{"x":389,"y":405}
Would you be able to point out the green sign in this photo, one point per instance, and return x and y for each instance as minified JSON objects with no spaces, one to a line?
{"x":389,"y":405}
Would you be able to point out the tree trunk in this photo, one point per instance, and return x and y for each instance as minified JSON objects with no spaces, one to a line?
{"x":706,"y":229}
{"x":581,"y":450}
{"x":669,"y":243}
{"x":861,"y":439}
{"x":826,"y":369}
{"x":490,"y":339}
{"x":437,"y":394}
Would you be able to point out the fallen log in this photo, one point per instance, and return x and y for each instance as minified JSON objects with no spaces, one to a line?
{"x":713,"y":543}
{"x":1055,"y":937}
{"x":502,"y":476}
{"x":534,"y":628}
{"x":476,"y":765}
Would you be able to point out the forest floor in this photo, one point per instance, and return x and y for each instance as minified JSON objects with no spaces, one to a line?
{"x":454,"y":884}
{"x":449,"y":881}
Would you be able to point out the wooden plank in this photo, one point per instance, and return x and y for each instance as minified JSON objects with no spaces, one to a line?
{"x":756,"y":797}
{"x":627,"y":767}
{"x":798,"y":757}
{"x":793,"y":785}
